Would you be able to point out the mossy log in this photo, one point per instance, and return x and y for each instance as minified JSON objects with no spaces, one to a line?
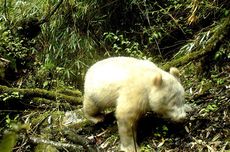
{"x":42,"y":103}
{"x":44,"y":95}
{"x":70,"y":92}
{"x":221,"y":31}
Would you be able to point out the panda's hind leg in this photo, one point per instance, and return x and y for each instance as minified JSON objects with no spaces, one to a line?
{"x":92,"y":111}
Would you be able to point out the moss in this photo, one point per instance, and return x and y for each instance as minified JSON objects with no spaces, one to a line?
{"x":51,"y":95}
{"x":45,"y":147}
{"x":38,"y":118}
{"x":70,"y":92}
{"x":8,"y":142}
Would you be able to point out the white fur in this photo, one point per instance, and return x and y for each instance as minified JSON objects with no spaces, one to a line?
{"x":133,"y":87}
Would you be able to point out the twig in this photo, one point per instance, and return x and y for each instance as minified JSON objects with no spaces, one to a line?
{"x":59,"y":145}
{"x":170,"y":15}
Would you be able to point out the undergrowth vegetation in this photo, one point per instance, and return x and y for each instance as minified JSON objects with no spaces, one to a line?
{"x":83,"y":32}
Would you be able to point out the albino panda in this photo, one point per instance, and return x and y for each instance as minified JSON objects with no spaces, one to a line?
{"x":132,"y":87}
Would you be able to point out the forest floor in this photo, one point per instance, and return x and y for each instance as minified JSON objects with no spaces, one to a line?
{"x":207,"y":128}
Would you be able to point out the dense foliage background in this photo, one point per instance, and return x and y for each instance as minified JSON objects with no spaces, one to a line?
{"x":80,"y":33}
{"x":49,"y":44}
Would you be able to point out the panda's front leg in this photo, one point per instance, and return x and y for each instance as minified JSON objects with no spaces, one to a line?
{"x":127,"y":119}
{"x":127,"y":134}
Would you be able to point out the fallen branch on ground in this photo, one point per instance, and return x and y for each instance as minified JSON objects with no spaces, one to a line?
{"x":27,"y":95}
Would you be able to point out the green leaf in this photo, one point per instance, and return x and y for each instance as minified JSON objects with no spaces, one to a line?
{"x":8,"y":142}
{"x":45,"y":84}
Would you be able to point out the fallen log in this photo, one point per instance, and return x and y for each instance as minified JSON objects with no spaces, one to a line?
{"x":26,"y":95}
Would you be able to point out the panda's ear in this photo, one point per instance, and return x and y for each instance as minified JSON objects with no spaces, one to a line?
{"x":157,"y":80}
{"x":175,"y":72}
